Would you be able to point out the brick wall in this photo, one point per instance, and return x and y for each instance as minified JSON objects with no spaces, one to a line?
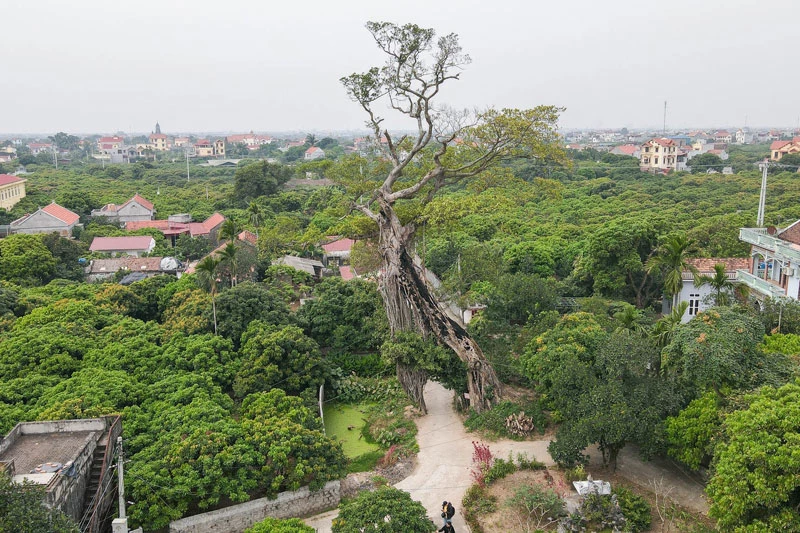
{"x":237,"y":518}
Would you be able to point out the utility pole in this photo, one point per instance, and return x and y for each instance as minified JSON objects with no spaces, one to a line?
{"x":187,"y":165}
{"x":762,"y":199}
{"x":120,"y":525}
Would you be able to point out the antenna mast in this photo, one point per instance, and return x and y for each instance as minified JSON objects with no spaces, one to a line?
{"x":665,"y":117}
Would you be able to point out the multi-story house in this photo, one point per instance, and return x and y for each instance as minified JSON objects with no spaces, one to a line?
{"x":774,"y":264}
{"x":723,"y":136}
{"x":38,"y":148}
{"x":661,"y":155}
{"x":12,"y":190}
{"x":158,"y":142}
{"x":778,"y":149}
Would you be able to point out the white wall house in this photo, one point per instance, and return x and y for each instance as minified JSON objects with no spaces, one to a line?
{"x":701,"y":298}
{"x":774,"y":265}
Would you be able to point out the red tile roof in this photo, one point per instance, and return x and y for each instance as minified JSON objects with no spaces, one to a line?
{"x":157,"y":136}
{"x":777,"y":145}
{"x":203,"y":142}
{"x":7,"y":179}
{"x":108,"y":244}
{"x":61,"y":213}
{"x":705,"y":265}
{"x":340,"y":245}
{"x":313,"y":150}
{"x":629,"y":149}
{"x":160,"y":225}
{"x":142,"y":201}
{"x":248,"y":236}
{"x":663,"y":142}
{"x":213,"y":221}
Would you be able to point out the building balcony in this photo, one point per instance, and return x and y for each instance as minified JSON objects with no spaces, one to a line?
{"x":783,"y":250}
{"x":761,"y":286}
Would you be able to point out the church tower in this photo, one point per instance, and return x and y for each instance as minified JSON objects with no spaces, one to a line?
{"x":158,"y":128}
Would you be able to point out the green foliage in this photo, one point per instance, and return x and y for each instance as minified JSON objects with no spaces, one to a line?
{"x":345,"y":316}
{"x":787,"y":344}
{"x":238,"y":306}
{"x":189,"y":248}
{"x":25,"y":260}
{"x":757,"y":471}
{"x":500,"y":468}
{"x":534,"y":507}
{"x":635,"y":508}
{"x":277,"y":525}
{"x":278,"y":357}
{"x":717,"y":348}
{"x":363,"y":365}
{"x":477,"y":502}
{"x":519,"y":298}
{"x":412,"y":350}
{"x":22,"y":510}
{"x":600,"y":385}
{"x":386,"y":510}
{"x":493,"y":421}
{"x":693,"y":434}
{"x":259,"y":179}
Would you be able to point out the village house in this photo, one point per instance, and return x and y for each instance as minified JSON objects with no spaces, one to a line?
{"x":337,"y":252}
{"x":723,"y":136}
{"x":7,"y":153}
{"x":12,"y":190}
{"x":701,"y":298}
{"x":105,"y":144}
{"x":626,"y":149}
{"x":180,"y":142}
{"x":309,"y":266}
{"x":778,"y":149}
{"x":52,"y":218}
{"x":314,"y":153}
{"x":141,"y":267}
{"x":774,"y":266}
{"x":137,"y":208}
{"x":158,"y":142}
{"x":661,"y":155}
{"x":71,"y":460}
{"x":134,"y":246}
{"x":177,"y":225}
{"x":251,"y":140}
{"x":38,"y":148}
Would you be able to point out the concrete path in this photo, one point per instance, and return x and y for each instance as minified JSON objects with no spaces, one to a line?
{"x":444,"y":461}
{"x":444,"y":464}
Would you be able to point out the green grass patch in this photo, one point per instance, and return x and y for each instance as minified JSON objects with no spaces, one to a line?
{"x":345,"y":423}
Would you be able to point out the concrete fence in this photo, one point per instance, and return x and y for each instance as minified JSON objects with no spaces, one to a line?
{"x":237,"y":518}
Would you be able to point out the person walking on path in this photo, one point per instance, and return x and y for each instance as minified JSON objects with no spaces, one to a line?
{"x":447,"y":528}
{"x":448,"y":511}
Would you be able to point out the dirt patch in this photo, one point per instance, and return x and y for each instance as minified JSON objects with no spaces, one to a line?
{"x":503,"y":520}
{"x":675,"y":518}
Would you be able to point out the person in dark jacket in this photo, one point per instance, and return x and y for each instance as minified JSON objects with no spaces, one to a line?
{"x":447,"y":528}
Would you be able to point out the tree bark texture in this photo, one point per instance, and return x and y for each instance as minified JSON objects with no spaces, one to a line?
{"x":411,"y":306}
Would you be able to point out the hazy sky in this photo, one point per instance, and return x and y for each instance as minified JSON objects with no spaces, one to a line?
{"x":267,"y":65}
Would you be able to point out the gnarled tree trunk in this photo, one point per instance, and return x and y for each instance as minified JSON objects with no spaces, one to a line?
{"x":410,"y":306}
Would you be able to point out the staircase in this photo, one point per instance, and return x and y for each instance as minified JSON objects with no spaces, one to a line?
{"x":94,"y":475}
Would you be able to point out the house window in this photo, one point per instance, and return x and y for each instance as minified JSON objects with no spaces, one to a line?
{"x":694,"y":304}
{"x":655,"y":160}
{"x":656,"y":148}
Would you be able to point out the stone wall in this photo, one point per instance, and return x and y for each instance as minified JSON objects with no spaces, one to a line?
{"x":68,"y":493}
{"x":237,"y":518}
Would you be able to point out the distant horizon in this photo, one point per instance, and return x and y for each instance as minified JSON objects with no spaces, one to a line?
{"x":366,"y":132}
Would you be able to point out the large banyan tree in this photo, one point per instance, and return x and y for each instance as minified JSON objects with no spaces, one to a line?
{"x":447,"y":147}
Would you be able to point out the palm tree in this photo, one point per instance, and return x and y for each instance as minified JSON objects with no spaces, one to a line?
{"x":663,"y":330}
{"x":719,"y":282}
{"x":630,"y":319}
{"x":228,"y":255}
{"x":207,"y":271}
{"x":228,"y":230}
{"x":672,"y":259}
{"x":255,"y":212}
